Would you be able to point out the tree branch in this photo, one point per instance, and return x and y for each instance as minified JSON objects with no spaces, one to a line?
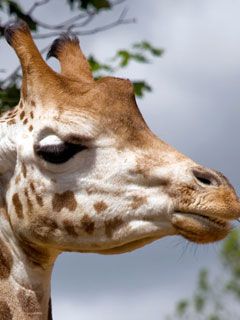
{"x":120,"y":21}
{"x":63,"y":24}
{"x":36,"y":5}
{"x":71,"y":25}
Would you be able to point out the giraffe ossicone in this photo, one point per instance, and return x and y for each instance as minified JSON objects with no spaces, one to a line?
{"x":81,"y":171}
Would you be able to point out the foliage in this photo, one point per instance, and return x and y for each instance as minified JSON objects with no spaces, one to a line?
{"x":9,"y":97}
{"x":85,"y":4}
{"x":139,"y":52}
{"x":216,"y":298}
{"x":83,"y":13}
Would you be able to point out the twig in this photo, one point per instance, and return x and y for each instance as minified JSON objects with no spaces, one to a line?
{"x":82,"y":24}
{"x":104,"y":28}
{"x":120,"y":21}
{"x":72,"y":20}
{"x":36,"y":5}
{"x":72,"y":25}
{"x":62,"y":24}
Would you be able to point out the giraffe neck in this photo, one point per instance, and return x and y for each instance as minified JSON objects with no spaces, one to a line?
{"x":25,"y":272}
{"x":24,"y":283}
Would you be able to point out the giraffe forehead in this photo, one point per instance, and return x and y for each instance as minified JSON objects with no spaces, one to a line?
{"x":109,"y":107}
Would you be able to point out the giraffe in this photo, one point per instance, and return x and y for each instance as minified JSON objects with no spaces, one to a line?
{"x":81,"y":171}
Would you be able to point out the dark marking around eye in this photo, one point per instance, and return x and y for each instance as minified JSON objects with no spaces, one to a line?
{"x":58,"y":153}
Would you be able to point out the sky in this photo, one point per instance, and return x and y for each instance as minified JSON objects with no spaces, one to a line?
{"x":194,"y":106}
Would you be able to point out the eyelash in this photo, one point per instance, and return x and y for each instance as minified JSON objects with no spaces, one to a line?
{"x":58,"y":153}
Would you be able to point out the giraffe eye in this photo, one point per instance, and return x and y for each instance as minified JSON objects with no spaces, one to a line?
{"x":57,"y":151}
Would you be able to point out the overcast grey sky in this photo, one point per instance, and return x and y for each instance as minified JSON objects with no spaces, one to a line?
{"x":195,"y":106}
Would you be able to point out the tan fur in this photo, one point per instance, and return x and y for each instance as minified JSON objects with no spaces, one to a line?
{"x":6,"y":261}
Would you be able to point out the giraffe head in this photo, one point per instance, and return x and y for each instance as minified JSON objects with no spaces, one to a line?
{"x":81,"y":171}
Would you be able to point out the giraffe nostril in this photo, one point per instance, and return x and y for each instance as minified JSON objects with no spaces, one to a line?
{"x":206,"y":177}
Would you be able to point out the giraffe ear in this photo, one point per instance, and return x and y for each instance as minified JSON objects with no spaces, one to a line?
{"x":33,"y":66}
{"x":73,"y":63}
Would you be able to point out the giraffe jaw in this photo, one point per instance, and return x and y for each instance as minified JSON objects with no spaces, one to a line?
{"x":130,"y":246}
{"x":200,"y":228}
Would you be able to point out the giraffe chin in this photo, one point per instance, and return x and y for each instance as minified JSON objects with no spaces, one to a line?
{"x":128,"y":247}
{"x":200,"y":228}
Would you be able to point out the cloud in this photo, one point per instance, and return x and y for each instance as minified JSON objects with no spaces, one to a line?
{"x":143,"y":305}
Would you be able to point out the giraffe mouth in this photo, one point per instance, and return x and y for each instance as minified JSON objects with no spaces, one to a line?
{"x":200,"y":228}
{"x":215,"y":221}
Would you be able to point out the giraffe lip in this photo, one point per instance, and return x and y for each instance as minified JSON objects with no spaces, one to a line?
{"x":214,"y":221}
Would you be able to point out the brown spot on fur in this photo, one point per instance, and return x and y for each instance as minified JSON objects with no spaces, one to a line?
{"x":20,"y":105}
{"x":100,"y":206}
{"x":69,"y":227}
{"x":87,"y":224}
{"x":112,"y":225}
{"x":38,"y":197}
{"x":43,"y":227}
{"x":33,"y":104}
{"x":18,"y":205}
{"x":29,"y":202}
{"x":24,"y":170}
{"x":5,"y":311}
{"x":6,"y":261}
{"x":138,"y":201}
{"x":31,"y":115}
{"x":64,"y":200}
{"x":30,"y":128}
{"x":25,"y":121}
{"x":28,"y":301}
{"x":146,"y":163}
{"x":17,"y":179}
{"x":22,"y":114}
{"x":10,"y":122}
{"x":32,"y":187}
{"x":39,"y":200}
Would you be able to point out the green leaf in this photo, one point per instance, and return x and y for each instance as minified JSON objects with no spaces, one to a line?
{"x":213,"y":317}
{"x":230,"y":253}
{"x":203,"y":284}
{"x":96,"y":66}
{"x":15,"y":9}
{"x":9,"y":97}
{"x":182,"y":307}
{"x":234,"y":287}
{"x":199,"y":302}
{"x":145,"y":45}
{"x":140,"y":87}
{"x":139,"y":58}
{"x":86,"y":4}
{"x":124,"y":56}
